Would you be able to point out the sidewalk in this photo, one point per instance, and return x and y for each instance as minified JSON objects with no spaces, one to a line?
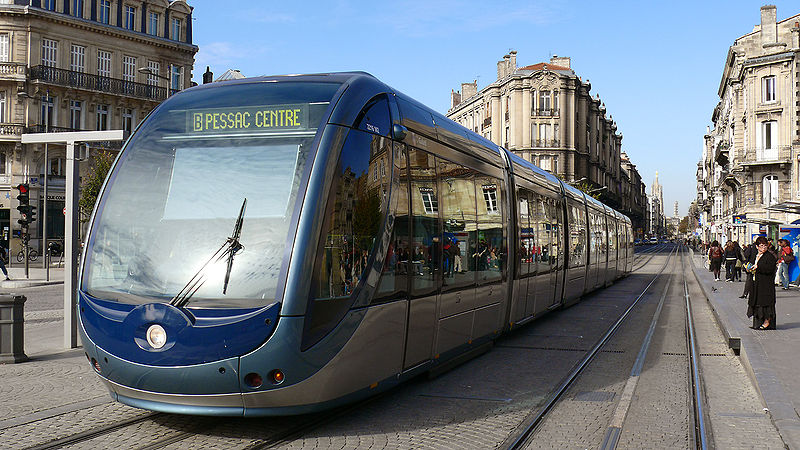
{"x":37,"y":276}
{"x":771,"y":357}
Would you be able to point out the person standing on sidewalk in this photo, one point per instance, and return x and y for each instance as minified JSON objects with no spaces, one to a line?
{"x":785,"y":256}
{"x":730,"y":261}
{"x":715,"y":254}
{"x":761,"y":305}
{"x":3,"y":256}
{"x":750,"y":252}
{"x":737,"y":269}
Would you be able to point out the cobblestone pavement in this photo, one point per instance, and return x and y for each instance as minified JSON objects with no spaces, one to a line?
{"x":476,"y":405}
{"x":769,"y":357}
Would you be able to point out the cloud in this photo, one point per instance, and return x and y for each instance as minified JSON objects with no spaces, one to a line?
{"x":221,"y":56}
{"x":451,"y":18}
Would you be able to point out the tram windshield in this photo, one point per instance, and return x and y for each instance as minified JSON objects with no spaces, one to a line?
{"x":176,"y":192}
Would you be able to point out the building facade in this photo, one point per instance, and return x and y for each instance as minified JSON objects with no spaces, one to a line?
{"x":73,"y":65}
{"x":545,"y":114}
{"x":749,"y":169}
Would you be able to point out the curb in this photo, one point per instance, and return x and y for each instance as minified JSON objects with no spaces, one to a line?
{"x":11,"y":284}
{"x":767,"y":383}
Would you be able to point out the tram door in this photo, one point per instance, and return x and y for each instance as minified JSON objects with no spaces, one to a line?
{"x":525,"y":294}
{"x":423,"y":253}
{"x":557,"y":243}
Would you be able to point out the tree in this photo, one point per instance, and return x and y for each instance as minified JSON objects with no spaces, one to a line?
{"x":90,"y":188}
{"x":585,"y":187}
{"x":683,"y":227}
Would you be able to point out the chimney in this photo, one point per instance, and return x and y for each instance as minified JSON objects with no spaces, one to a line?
{"x":469,"y":89}
{"x":512,"y":62}
{"x":563,"y":61}
{"x":208,"y":76}
{"x":455,"y":98}
{"x":502,"y":67}
{"x":769,"y":29}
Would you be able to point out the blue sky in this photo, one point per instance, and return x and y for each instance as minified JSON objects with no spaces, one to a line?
{"x":656,"y":65}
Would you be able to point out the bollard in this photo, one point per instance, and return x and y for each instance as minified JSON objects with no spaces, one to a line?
{"x":12,"y":321}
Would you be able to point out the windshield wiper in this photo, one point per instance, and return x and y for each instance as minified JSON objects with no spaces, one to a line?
{"x":234,"y":246}
{"x":230,"y":248}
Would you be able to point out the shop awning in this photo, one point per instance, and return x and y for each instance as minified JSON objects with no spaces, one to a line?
{"x":790,"y":207}
{"x":762,"y":221}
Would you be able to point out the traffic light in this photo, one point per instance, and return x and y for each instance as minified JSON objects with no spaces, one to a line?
{"x":24,"y":207}
{"x":24,"y":193}
{"x":31,"y":213}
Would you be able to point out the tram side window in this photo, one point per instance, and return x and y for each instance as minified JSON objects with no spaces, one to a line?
{"x":394,"y":276}
{"x":555,"y":235}
{"x":426,"y":245}
{"x":612,"y":235}
{"x":374,"y":118}
{"x":603,"y":234}
{"x":457,"y":188}
{"x":491,"y":241}
{"x":594,"y":236}
{"x":355,"y":211}
{"x":545,"y":235}
{"x":527,"y":242}
{"x":577,"y":235}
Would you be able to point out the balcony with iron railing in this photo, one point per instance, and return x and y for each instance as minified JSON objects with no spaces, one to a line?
{"x":762,"y":156}
{"x":80,"y":80}
{"x":545,"y":112}
{"x":545,"y":143}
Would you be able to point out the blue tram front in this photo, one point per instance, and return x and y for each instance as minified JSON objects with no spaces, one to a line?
{"x":283,"y":244}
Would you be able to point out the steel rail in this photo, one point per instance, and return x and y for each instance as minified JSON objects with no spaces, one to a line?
{"x":532,"y":423}
{"x":91,"y":434}
{"x":701,"y":431}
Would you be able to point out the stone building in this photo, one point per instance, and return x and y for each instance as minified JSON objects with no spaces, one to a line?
{"x":72,"y":65}
{"x":748,"y":176}
{"x":545,"y":114}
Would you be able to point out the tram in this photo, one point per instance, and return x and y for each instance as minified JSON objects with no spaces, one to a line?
{"x":282,"y":245}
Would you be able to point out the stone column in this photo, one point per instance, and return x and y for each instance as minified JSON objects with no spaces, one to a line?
{"x":525,"y":118}
{"x":497,"y":119}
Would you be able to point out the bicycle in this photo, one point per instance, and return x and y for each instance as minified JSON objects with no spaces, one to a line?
{"x":33,"y":255}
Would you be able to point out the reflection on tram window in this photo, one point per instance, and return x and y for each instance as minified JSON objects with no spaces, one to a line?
{"x":375,"y":117}
{"x":426,"y":245}
{"x":353,"y":218}
{"x":491,"y":246}
{"x":545,"y":227}
{"x":577,"y":235}
{"x":460,"y":228}
{"x":394,"y":278}
{"x":147,"y":244}
{"x":527,"y":239}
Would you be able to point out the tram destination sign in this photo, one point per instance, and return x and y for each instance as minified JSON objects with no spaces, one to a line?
{"x":247,"y":119}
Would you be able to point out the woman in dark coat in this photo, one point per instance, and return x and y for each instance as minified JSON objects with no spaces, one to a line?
{"x":761,"y":305}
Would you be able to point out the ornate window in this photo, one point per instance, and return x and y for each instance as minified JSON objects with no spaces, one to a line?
{"x":769,"y":191}
{"x":768,"y":93}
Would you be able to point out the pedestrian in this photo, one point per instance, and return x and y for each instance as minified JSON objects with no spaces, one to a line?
{"x":761,"y":305}
{"x":785,"y":256}
{"x":3,"y":256}
{"x":737,"y":269}
{"x":715,"y":255}
{"x":730,"y":261}
{"x":750,"y":252}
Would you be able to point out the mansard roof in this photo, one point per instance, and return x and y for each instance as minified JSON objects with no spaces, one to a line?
{"x":548,"y":66}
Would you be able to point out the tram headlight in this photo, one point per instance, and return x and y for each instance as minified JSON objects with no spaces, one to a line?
{"x":156,"y":336}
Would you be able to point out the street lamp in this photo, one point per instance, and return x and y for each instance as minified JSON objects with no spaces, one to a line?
{"x":600,"y":189}
{"x":149,"y":71}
